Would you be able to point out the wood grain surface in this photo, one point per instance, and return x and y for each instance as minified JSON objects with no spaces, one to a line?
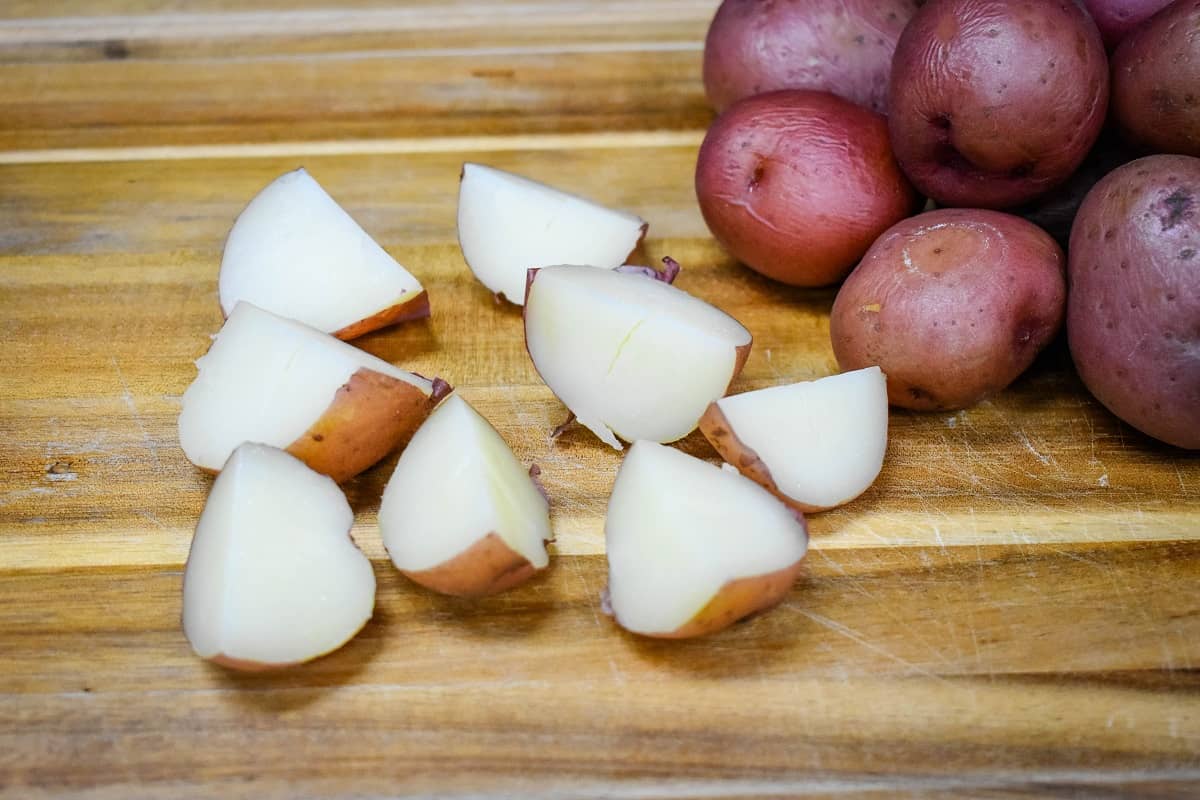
{"x":1013,"y":610}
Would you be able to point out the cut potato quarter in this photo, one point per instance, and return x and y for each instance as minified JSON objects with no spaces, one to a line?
{"x":815,"y":445}
{"x":508,"y":224}
{"x":273,"y":578}
{"x":460,"y":514}
{"x":630,"y":356}
{"x":692,"y":548}
{"x":295,"y":252}
{"x":276,"y":381}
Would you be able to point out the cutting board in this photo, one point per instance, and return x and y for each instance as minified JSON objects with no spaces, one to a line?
{"x":1012,"y":609}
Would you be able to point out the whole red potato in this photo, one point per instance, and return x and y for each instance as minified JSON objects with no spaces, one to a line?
{"x":952,"y":305}
{"x":1116,"y":18}
{"x":1133,"y":318}
{"x":796,"y":184}
{"x":1156,"y":81}
{"x":994,"y":103}
{"x":839,"y":46}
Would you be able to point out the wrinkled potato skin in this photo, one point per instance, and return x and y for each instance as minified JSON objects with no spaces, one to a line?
{"x":839,"y":46}
{"x":1156,"y":82}
{"x":797,"y":184}
{"x":1116,"y":18}
{"x":994,"y":103}
{"x":1133,"y":318}
{"x":952,"y":304}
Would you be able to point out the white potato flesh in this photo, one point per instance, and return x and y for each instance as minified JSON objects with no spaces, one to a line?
{"x":456,"y":482}
{"x":823,"y":441}
{"x":627,"y":354}
{"x":508,"y":224}
{"x":678,"y":529}
{"x":267,"y":379}
{"x":296,"y":252}
{"x":273,"y":576}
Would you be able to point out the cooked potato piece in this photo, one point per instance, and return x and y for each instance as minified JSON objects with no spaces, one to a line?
{"x":693,"y":548}
{"x":460,"y":514}
{"x":274,"y":381}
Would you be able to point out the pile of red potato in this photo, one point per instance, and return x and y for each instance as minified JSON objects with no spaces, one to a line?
{"x":839,"y":122}
{"x":840,"y":119}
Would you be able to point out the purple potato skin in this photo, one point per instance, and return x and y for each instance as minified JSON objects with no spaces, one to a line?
{"x":1156,"y":81}
{"x":1133,"y":317}
{"x":1116,"y":18}
{"x":995,"y":103}
{"x":839,"y":46}
{"x":796,"y":184}
{"x":953,"y":305}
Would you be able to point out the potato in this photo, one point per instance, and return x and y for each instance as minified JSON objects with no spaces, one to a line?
{"x":796,"y":184}
{"x":282,"y":383}
{"x":828,"y":45}
{"x":460,"y":514}
{"x":952,"y":305}
{"x":994,"y":103}
{"x":1156,"y":81}
{"x":1055,"y":211}
{"x":1133,"y":319}
{"x":1116,"y":18}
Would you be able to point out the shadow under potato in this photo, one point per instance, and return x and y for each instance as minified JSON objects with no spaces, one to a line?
{"x":300,"y":685}
{"x":514,"y":614}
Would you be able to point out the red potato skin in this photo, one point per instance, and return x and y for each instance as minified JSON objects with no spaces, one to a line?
{"x":1156,"y":82}
{"x":736,"y":600}
{"x":839,"y":46}
{"x":242,"y":665}
{"x":369,"y":416}
{"x":414,"y":306}
{"x":1116,"y":18}
{"x":994,"y":103}
{"x":716,"y":429}
{"x":411,"y":307}
{"x":952,"y":304}
{"x":487,"y":567}
{"x":1133,"y":318}
{"x":796,"y":184}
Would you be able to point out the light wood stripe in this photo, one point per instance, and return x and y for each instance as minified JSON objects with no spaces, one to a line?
{"x":446,"y":144}
{"x":334,"y":21}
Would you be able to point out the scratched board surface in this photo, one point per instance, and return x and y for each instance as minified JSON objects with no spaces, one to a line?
{"x":1011,"y":611}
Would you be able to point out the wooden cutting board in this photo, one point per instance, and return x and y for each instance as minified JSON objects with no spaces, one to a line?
{"x":1012,"y":609}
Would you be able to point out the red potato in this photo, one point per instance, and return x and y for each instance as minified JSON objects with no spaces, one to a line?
{"x":797,"y":184}
{"x":273,"y":578}
{"x":827,"y":45}
{"x":1116,"y":18}
{"x":1156,"y":81}
{"x":693,"y":548}
{"x":279,"y":382}
{"x":952,"y":304}
{"x":1133,"y":320}
{"x":994,"y":103}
